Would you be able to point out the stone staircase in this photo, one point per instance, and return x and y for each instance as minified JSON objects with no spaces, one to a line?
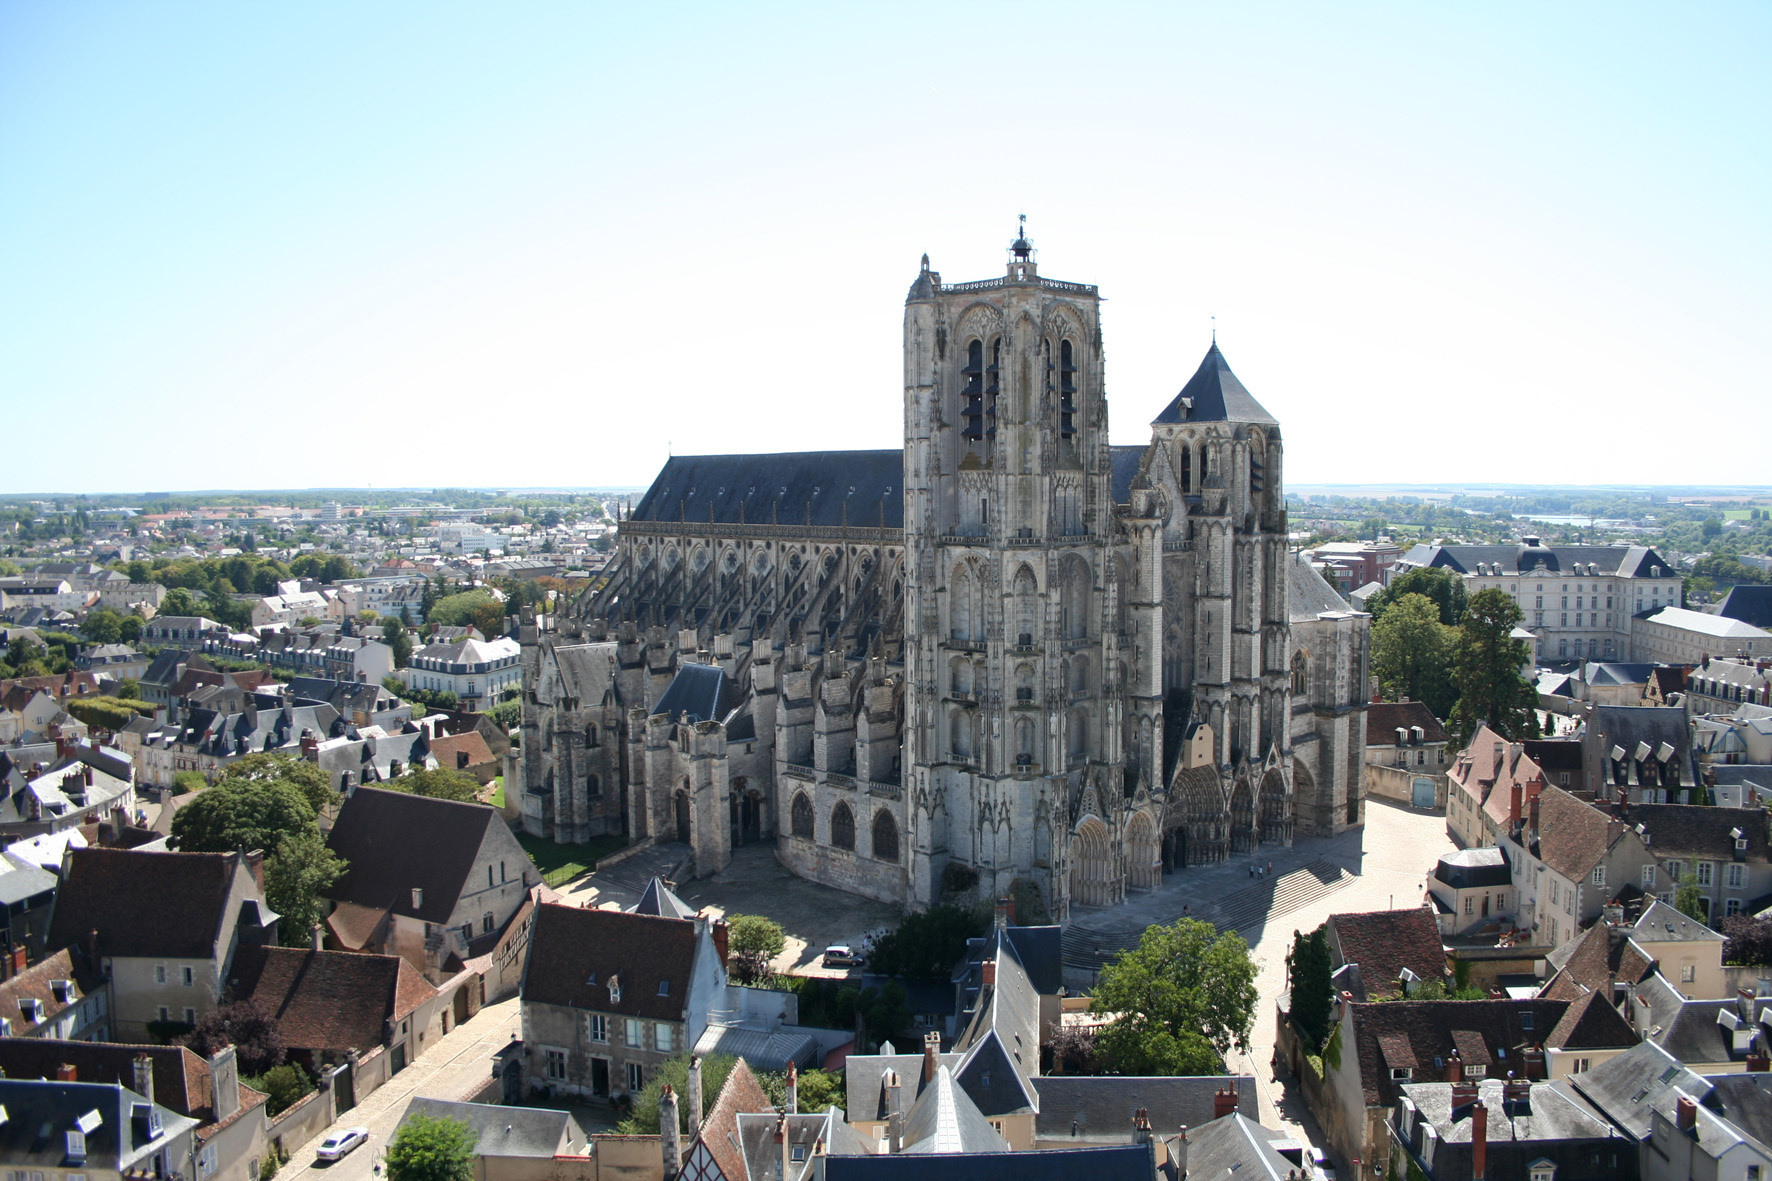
{"x":1088,"y":945}
{"x":633,"y":872}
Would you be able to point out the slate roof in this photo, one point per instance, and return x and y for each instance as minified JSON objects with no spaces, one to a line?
{"x":703,"y":692}
{"x":1308,"y":595}
{"x":1634,"y":560}
{"x":1213,"y":394}
{"x":182,"y":1080}
{"x":1102,"y":1105}
{"x":573,"y":954}
{"x":804,"y":1130}
{"x":1721,"y":627}
{"x":1597,"y":673}
{"x":505,"y":1131}
{"x":1384,"y":942}
{"x":1469,"y":868}
{"x":766,"y":1049}
{"x":1548,"y":1114}
{"x":330,"y":1000}
{"x":864,"y":1083}
{"x":829,"y":489}
{"x":1383,"y":718}
{"x":394,"y":841}
{"x":658,"y":899}
{"x":34,"y":1105}
{"x":1694,"y":830}
{"x":144,"y":904}
{"x":1235,"y":1146}
{"x":1661,"y":923}
{"x":1626,"y":1087}
{"x":944,"y":1119}
{"x":587,"y":671}
{"x":22,"y":880}
{"x":1124,"y":463}
{"x":1130,"y":1162}
{"x":1039,"y":949}
{"x":1751,"y":604}
{"x":1693,"y":1035}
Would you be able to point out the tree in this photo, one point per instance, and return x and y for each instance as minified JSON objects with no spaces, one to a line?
{"x":395,"y":636}
{"x":1308,"y":968}
{"x":925,"y":945}
{"x":1443,"y":587}
{"x":458,"y":610}
{"x":249,"y":1026}
{"x":1486,"y":663}
{"x":179,"y":601}
{"x":431,"y":1148}
{"x":1410,"y":651}
{"x":298,"y":773}
{"x":819,"y":1090}
{"x":489,"y":617}
{"x":1748,"y":940}
{"x":443,"y":783}
{"x":186,"y":782}
{"x":284,"y":1084}
{"x":642,"y":1117}
{"x":752,"y":941}
{"x":1687,"y":900}
{"x":1180,"y":1000}
{"x":297,"y":874}
{"x":242,"y":814}
{"x":102,"y":626}
{"x":1075,"y":1049}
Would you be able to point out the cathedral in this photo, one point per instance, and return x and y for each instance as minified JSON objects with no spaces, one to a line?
{"x":1008,"y":657}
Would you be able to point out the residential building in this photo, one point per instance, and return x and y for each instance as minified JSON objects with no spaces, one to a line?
{"x":185,"y":630}
{"x":1486,"y":787}
{"x":1406,"y":755}
{"x":1385,"y":953}
{"x":1674,"y":635}
{"x":54,"y":998}
{"x":1723,"y":849}
{"x":333,"y":1006}
{"x":1569,"y":859}
{"x":1532,"y":1131}
{"x":510,"y":1143}
{"x":104,"y":1130}
{"x":433,"y":881}
{"x":85,"y":784}
{"x":28,"y":891}
{"x":1718,"y":685}
{"x":476,"y":671}
{"x":1640,"y":753}
{"x":1577,"y":599}
{"x":1472,"y":889}
{"x":608,"y":996}
{"x":1684,"y":950}
{"x":164,"y":927}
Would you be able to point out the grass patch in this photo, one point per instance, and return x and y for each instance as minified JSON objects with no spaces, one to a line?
{"x":497,"y":799}
{"x":560,"y":864}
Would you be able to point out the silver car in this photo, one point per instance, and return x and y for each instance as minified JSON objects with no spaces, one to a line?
{"x":341,"y":1142}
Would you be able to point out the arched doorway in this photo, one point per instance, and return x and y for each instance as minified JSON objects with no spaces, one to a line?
{"x":1093,"y":881}
{"x":1242,"y":817}
{"x":1276,"y":809}
{"x":1144,"y":868}
{"x":683,"y":817}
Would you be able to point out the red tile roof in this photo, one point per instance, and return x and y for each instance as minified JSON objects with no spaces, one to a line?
{"x":574,"y":953}
{"x":1384,"y":942}
{"x":330,"y":1000}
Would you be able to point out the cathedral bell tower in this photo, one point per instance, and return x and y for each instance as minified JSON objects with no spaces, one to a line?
{"x":1013,"y":615}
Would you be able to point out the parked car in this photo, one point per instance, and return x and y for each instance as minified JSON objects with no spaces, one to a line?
{"x":341,"y":1142}
{"x":841,"y":955}
{"x":1322,"y":1168}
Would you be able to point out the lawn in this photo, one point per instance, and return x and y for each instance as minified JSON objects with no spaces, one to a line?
{"x":560,"y":864}
{"x":497,"y":798}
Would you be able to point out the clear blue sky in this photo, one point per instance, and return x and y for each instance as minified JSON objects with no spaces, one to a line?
{"x":294,"y":245}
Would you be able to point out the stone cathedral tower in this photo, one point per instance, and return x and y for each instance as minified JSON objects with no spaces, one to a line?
{"x":1012,"y":657}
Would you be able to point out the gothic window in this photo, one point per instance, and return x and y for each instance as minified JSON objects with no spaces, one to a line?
{"x":962,"y":677}
{"x":1074,"y":599}
{"x":1027,"y":606}
{"x":966,"y":604}
{"x":802,"y":815}
{"x":1077,"y":730}
{"x":1080,"y":675}
{"x":885,"y":836}
{"x":1067,"y":390}
{"x":1186,"y":457}
{"x":593,"y":786}
{"x":843,"y":827}
{"x":972,"y":394}
{"x":960,"y":734}
{"x":591,"y":741}
{"x":1024,"y":741}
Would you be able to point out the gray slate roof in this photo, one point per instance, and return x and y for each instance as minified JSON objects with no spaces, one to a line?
{"x":1213,"y":394}
{"x":1633,"y":560}
{"x":1469,"y":868}
{"x":504,"y":1131}
{"x":1235,"y":1146}
{"x":1625,"y":1088}
{"x":1750,"y":604}
{"x":1308,"y":595}
{"x":863,"y":489}
{"x":1131,"y":1162}
{"x":1101,"y":1106}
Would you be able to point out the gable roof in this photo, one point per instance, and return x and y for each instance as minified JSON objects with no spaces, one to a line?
{"x":502,"y":1131}
{"x":701,"y":692}
{"x":1384,"y":942}
{"x":944,"y":1119}
{"x":144,"y":904}
{"x":1308,"y":594}
{"x":1749,"y":603}
{"x":741,"y":1092}
{"x":860,"y":489}
{"x":1591,"y":1023}
{"x":182,"y":1079}
{"x":1573,"y":835}
{"x":1213,"y":394}
{"x":1101,"y":1106}
{"x":574,"y":953}
{"x":1626,"y":1088}
{"x":330,"y":1000}
{"x":1592,"y":961}
{"x":1124,"y":463}
{"x":1696,"y":830}
{"x":1384,"y":717}
{"x":395,"y":842}
{"x":1229,"y":1146}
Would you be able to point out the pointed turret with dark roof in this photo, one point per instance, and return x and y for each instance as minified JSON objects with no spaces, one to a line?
{"x":1213,"y":394}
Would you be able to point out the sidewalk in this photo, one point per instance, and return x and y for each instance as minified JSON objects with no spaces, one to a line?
{"x":459,"y":1063}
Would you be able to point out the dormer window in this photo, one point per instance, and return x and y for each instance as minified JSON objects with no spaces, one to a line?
{"x":799,"y":1153}
{"x":664,"y":988}
{"x":615,"y":990}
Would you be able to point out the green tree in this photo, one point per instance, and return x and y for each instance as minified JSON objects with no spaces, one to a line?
{"x":642,"y":1117}
{"x":396,"y":637}
{"x":1687,"y":900}
{"x":298,"y":773}
{"x":442,"y":783}
{"x":1411,"y":649}
{"x":242,"y":814}
{"x":297,"y":875}
{"x":179,"y":601}
{"x":925,"y":944}
{"x":1308,"y":968}
{"x":820,"y":1090}
{"x":459,"y":610}
{"x":102,"y":626}
{"x":752,"y":941}
{"x":25,"y":658}
{"x":1180,"y":1000}
{"x":431,"y":1148}
{"x":186,"y":782}
{"x":1443,"y":587}
{"x":1486,"y":664}
{"x":284,"y":1084}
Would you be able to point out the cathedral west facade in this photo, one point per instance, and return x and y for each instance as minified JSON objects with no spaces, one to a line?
{"x":1010,"y":655}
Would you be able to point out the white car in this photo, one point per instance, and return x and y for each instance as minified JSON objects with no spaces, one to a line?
{"x":1322,"y":1168}
{"x":341,"y":1142}
{"x":841,"y":955}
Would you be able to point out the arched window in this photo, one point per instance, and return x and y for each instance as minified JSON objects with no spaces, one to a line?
{"x":992,"y":385}
{"x":1067,"y":390}
{"x":842,"y":827}
{"x":1074,"y":599}
{"x":1187,"y":466}
{"x":1027,"y":608}
{"x":972,"y":394}
{"x":1024,"y":741}
{"x":591,"y":740}
{"x":802,"y":815}
{"x":1300,"y":668}
{"x":593,"y":785}
{"x":960,"y":734}
{"x":1080,"y":674}
{"x":885,"y":836}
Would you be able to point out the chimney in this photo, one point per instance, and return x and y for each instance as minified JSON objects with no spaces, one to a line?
{"x":1224,"y":1102}
{"x":144,"y":1076}
{"x":793,"y":1088}
{"x":1758,"y":1064}
{"x":224,"y":1082}
{"x":990,"y":971}
{"x":931,"y":1056}
{"x":781,"y":1139}
{"x":1178,"y":1154}
{"x":894,"y":1112}
{"x":1685,"y":1114}
{"x":1479,"y":1141}
{"x":67,"y":1073}
{"x":314,"y":936}
{"x":720,"y":936}
{"x":669,"y":1131}
{"x":695,"y":1095}
{"x":1141,"y":1126}
{"x":86,"y":774}
{"x":1454,"y":1068}
{"x":1532,"y":813}
{"x":1513,"y":807}
{"x":1005,"y":913}
{"x":1464,"y":1093}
